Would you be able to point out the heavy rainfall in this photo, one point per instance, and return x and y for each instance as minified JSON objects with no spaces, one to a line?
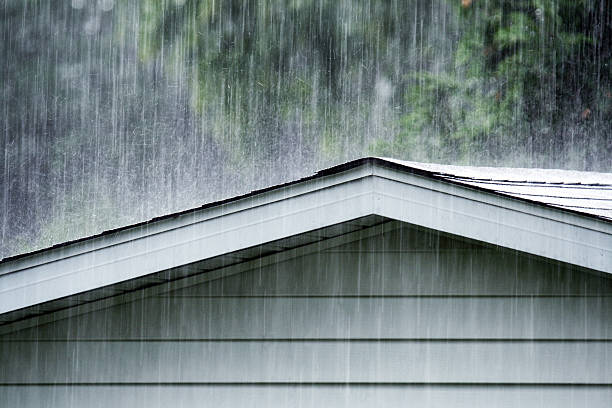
{"x":465,"y":262}
{"x":114,"y":112}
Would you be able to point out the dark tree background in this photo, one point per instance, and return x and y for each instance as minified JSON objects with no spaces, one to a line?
{"x":117,"y":111}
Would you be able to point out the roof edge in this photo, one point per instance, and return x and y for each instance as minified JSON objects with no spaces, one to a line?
{"x":330,"y":171}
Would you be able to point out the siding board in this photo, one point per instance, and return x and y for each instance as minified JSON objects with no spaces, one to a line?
{"x":310,"y":361}
{"x":442,"y":317}
{"x":265,"y":396}
{"x":408,"y":315}
{"x":389,"y":274}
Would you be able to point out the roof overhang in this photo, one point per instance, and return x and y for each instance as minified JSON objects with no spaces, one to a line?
{"x":357,"y":190}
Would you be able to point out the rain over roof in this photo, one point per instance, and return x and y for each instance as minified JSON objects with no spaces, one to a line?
{"x":564,"y":216}
{"x":582,"y":191}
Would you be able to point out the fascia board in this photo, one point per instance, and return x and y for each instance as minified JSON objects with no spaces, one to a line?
{"x":157,"y":226}
{"x":237,"y":225}
{"x":371,"y":188}
{"x":168,"y":287}
{"x":548,"y":232}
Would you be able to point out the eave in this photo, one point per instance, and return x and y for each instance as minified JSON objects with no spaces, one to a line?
{"x":369,"y":187}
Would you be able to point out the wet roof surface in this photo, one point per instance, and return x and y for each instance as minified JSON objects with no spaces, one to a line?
{"x":589,"y":193}
{"x":581,"y":191}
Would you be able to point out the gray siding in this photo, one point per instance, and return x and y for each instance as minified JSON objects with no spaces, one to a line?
{"x":404,"y":317}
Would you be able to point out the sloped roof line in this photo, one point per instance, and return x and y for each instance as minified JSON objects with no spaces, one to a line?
{"x":431,"y":170}
{"x":556,"y":196}
{"x":586,"y":193}
{"x":583,"y":207}
{"x":544,"y":184}
{"x":515,"y":174}
{"x":362,"y":188}
{"x":325,"y":172}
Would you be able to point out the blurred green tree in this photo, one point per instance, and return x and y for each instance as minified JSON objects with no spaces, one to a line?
{"x":274,"y":68}
{"x":529,"y":78}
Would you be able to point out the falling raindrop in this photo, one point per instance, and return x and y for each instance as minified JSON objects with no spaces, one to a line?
{"x":106,"y":5}
{"x":78,"y":4}
{"x":135,"y":109}
{"x":92,"y":26}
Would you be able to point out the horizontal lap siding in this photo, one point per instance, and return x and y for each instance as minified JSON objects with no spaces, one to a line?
{"x":311,"y":361}
{"x":407,"y":317}
{"x":396,"y":272}
{"x":265,"y":396}
{"x":389,"y":315}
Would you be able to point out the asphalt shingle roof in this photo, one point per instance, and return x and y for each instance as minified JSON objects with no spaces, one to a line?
{"x":582,"y":191}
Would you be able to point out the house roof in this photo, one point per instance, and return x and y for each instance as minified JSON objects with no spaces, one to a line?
{"x":501,"y":207}
{"x":581,"y":191}
{"x":588,"y":193}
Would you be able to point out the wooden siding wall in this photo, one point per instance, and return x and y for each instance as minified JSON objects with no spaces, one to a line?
{"x":405,"y":318}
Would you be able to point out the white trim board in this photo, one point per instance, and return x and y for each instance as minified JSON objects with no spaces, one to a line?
{"x":370,"y":187}
{"x":196,"y":279}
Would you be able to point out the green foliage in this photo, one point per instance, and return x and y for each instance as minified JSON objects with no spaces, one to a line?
{"x":260,"y":67}
{"x":116,"y":114}
{"x":263,"y":68}
{"x":520,"y":69}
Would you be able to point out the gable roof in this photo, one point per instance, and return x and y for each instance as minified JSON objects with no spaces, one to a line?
{"x":455,"y":200}
{"x":581,"y":191}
